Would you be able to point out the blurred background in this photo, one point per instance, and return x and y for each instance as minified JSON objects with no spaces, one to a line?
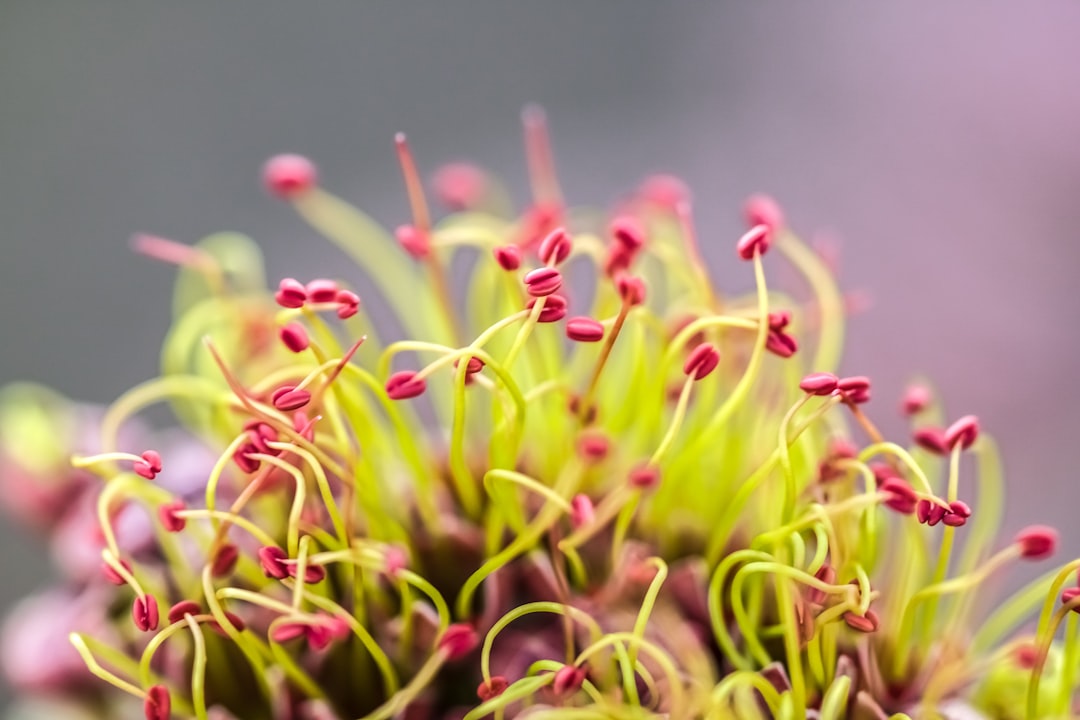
{"x":939,"y":146}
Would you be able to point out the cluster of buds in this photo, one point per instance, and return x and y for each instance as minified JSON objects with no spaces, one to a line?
{"x":527,"y":497}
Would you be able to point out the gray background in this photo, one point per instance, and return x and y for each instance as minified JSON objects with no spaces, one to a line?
{"x":938,"y":140}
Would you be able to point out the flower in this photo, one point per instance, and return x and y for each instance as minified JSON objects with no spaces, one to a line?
{"x":668,"y":504}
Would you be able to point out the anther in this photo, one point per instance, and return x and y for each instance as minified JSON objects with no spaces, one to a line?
{"x":916,"y":399}
{"x":492,"y":688}
{"x":414,"y":241}
{"x":243,"y":458}
{"x":291,"y":293}
{"x":542,"y":282}
{"x":1037,"y":542}
{"x":110,"y":573}
{"x":855,"y":389}
{"x":312,"y":573}
{"x":584,"y":329}
{"x":963,"y":432}
{"x":780,"y":343}
{"x":555,"y":247}
{"x":322,"y":290}
{"x":631,"y":289}
{"x":287,"y":398}
{"x":593,"y":446}
{"x":644,"y":477}
{"x":628,"y":233}
{"x":902,"y":498}
{"x":554,"y":310}
{"x":958,"y":514}
{"x":863,"y":623}
{"x":288,"y":176}
{"x":929,"y":513}
{"x":224,"y":560}
{"x":460,"y":186}
{"x":1070,"y":594}
{"x":666,"y":192}
{"x":931,"y":439}
{"x":157,"y":705}
{"x":348,"y":304}
{"x":169,"y":519}
{"x":474,"y":365}
{"x":144,"y":611}
{"x":273,"y":560}
{"x":582,"y":511}
{"x":508,"y":257}
{"x":404,"y":385}
{"x":754,"y":242}
{"x":294,"y":337}
{"x":762,"y":209}
{"x":149,"y":466}
{"x":184,"y":607}
{"x":820,"y":384}
{"x":702,"y":360}
{"x":568,"y":680}
{"x":457,"y":641}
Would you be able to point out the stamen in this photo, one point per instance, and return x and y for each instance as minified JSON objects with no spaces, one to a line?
{"x":404,"y":385}
{"x":158,"y":704}
{"x":755,"y":242}
{"x":568,"y":680}
{"x":508,"y":257}
{"x":291,"y":293}
{"x":348,"y":304}
{"x":457,"y":641}
{"x":542,"y":282}
{"x":963,"y":432}
{"x":295,"y":337}
{"x":167,"y":513}
{"x":224,"y":560}
{"x":1036,"y":542}
{"x":761,"y":209}
{"x":321,"y":291}
{"x":555,"y":248}
{"x":820,"y":384}
{"x":584,"y":329}
{"x":916,"y":399}
{"x":289,"y":176}
{"x":144,"y":612}
{"x":492,"y":688}
{"x":288,"y":398}
{"x":554,"y":310}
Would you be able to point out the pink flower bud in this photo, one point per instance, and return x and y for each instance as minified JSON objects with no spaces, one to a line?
{"x":458,"y":641}
{"x":294,"y":337}
{"x":754,"y":242}
{"x":555,"y":307}
{"x":291,"y":293}
{"x":273,"y":560}
{"x":288,"y":176}
{"x":819,"y":384}
{"x":492,"y":688}
{"x":631,"y":289}
{"x":701,"y":361}
{"x":628,"y":233}
{"x":1037,"y":542}
{"x":404,"y":385}
{"x":184,"y":607}
{"x":144,"y":611}
{"x":542,"y":282}
{"x":169,"y":519}
{"x":508,"y":257}
{"x":761,"y":209}
{"x":584,"y":329}
{"x":287,"y":398}
{"x":157,"y":705}
{"x":322,"y":290}
{"x":414,"y":241}
{"x":963,"y":432}
{"x":555,"y":247}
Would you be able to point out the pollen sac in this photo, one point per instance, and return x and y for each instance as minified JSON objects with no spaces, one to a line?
{"x":628,"y":233}
{"x":1037,"y":542}
{"x":224,"y":560}
{"x":962,"y":433}
{"x":508,"y":257}
{"x":555,"y":247}
{"x":855,"y":389}
{"x":144,"y":612}
{"x":1069,"y":595}
{"x":169,"y":519}
{"x":348,"y":304}
{"x":568,"y":680}
{"x":631,"y":289}
{"x":289,"y":176}
{"x":458,"y":641}
{"x":291,"y":293}
{"x":781,"y":344}
{"x":287,"y":398}
{"x":593,"y":446}
{"x":322,"y":291}
{"x":762,"y":209}
{"x":645,"y":477}
{"x":111,"y":575}
{"x":702,"y":360}
{"x":931,"y":439}
{"x":158,"y":704}
{"x":294,"y":337}
{"x":149,"y":466}
{"x":184,"y":607}
{"x":779,"y":319}
{"x":930,"y":513}
{"x":492,"y":688}
{"x":916,"y":399}
{"x":582,"y":511}
{"x":863,"y":623}
{"x":584,"y":329}
{"x":957,"y":515}
{"x":273,"y":560}
{"x":474,"y":365}
{"x":554,"y":310}
{"x":243,"y":457}
{"x":542,"y":282}
{"x":755,"y":242}
{"x":902,"y":497}
{"x":820,"y":384}
{"x":414,"y":241}
{"x":312,"y":573}
{"x":404,"y":385}
{"x":460,"y":186}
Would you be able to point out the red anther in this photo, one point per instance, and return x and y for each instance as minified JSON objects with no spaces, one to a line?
{"x":508,"y":257}
{"x":260,"y":434}
{"x":224,"y":560}
{"x":1026,"y":656}
{"x":184,"y":607}
{"x":242,"y":457}
{"x":963,"y":432}
{"x":542,"y":282}
{"x":853,"y":384}
{"x":554,"y":310}
{"x":110,"y":573}
{"x":827,"y":575}
{"x":474,"y":365}
{"x":169,"y":519}
{"x":568,"y":679}
{"x":631,"y":289}
{"x":144,"y":611}
{"x":618,"y":261}
{"x":287,"y":398}
{"x":404,"y":385}
{"x":584,"y":329}
{"x":289,"y":176}
{"x":1037,"y":542}
{"x":582,"y":511}
{"x":882,"y":472}
{"x":593,"y":446}
{"x":902,"y":497}
{"x":458,"y":640}
{"x":492,"y":688}
{"x":644,"y":477}
{"x":348,"y":304}
{"x":754,"y":242}
{"x":414,"y":241}
{"x":312,"y":573}
{"x":273,"y":559}
{"x":916,"y":399}
{"x":931,"y":439}
{"x":701,"y":361}
{"x":961,"y":508}
{"x":319,"y":637}
{"x":628,"y":233}
{"x":664,"y":191}
{"x":1070,"y":594}
{"x":779,"y":320}
{"x":818,"y":384}
{"x":153,"y":459}
{"x":555,"y":247}
{"x":294,"y":337}
{"x":763,"y":210}
{"x":291,"y":293}
{"x":863,"y":623}
{"x":781,"y":344}
{"x":234,"y":620}
{"x":935,"y":513}
{"x":395,"y":559}
{"x":289,"y":630}
{"x":143,"y":469}
{"x":460,"y":186}
{"x":304,"y":426}
{"x":149,"y":466}
{"x":322,"y":290}
{"x":157,"y":705}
